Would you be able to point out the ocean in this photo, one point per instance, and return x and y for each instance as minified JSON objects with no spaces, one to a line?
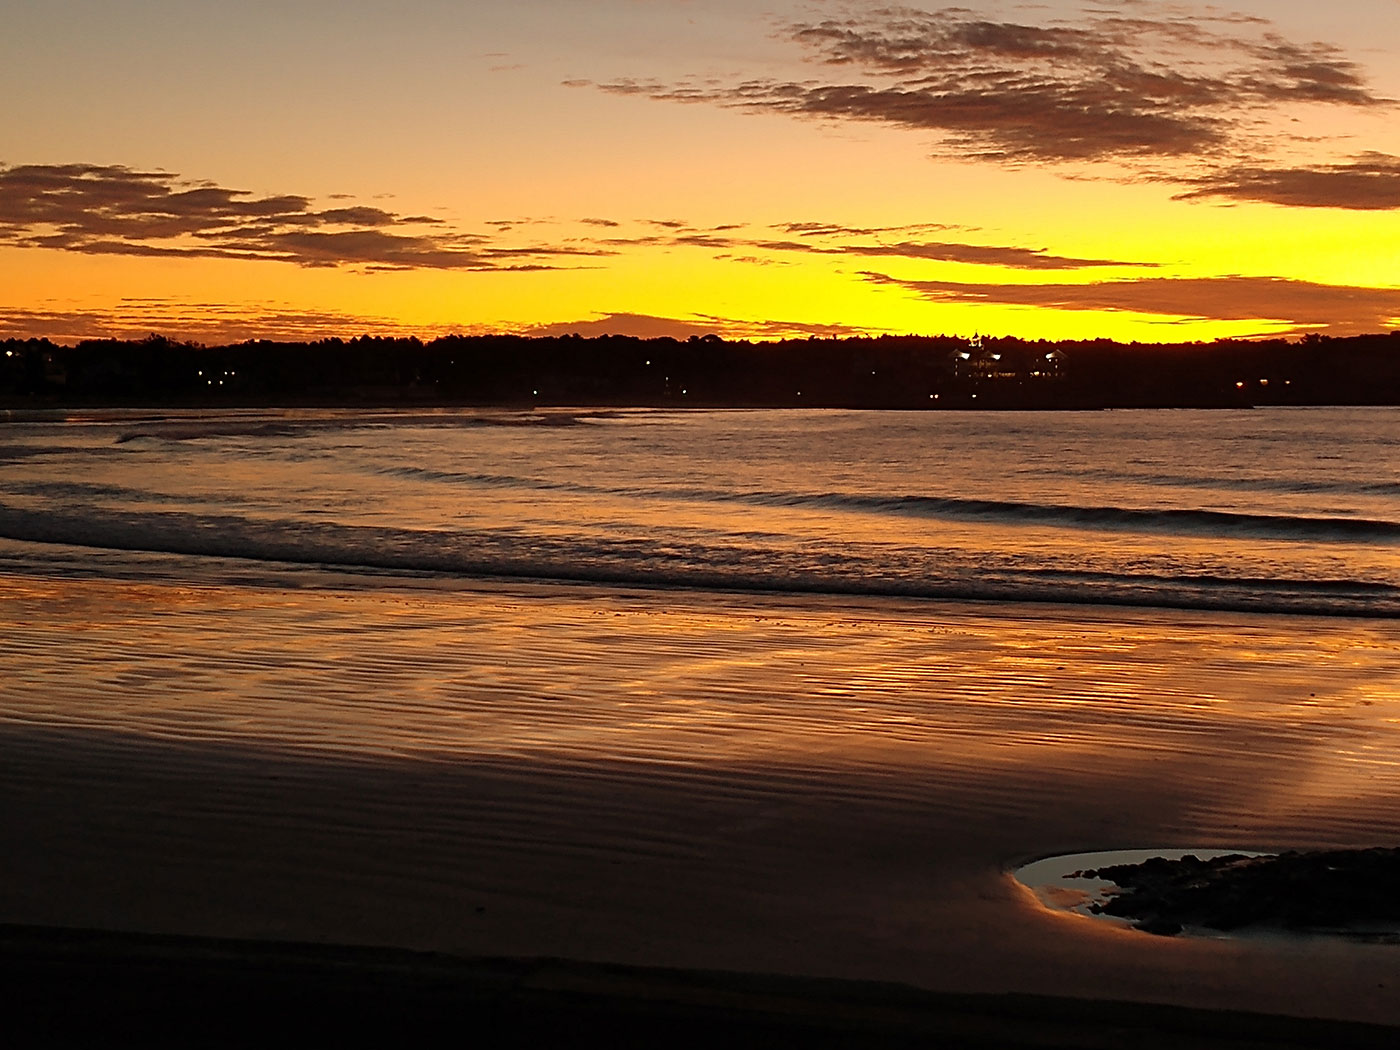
{"x":782,"y":691}
{"x":1275,"y":511}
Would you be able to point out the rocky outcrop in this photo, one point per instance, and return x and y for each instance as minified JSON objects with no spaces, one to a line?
{"x":1352,"y":891}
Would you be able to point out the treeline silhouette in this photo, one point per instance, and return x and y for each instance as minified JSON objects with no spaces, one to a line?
{"x":879,"y":372}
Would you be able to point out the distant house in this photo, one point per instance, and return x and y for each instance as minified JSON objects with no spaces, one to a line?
{"x":962,"y":359}
{"x":978,"y":362}
{"x":1051,"y":366}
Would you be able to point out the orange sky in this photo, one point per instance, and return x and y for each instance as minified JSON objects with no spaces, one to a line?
{"x":1132,"y":169}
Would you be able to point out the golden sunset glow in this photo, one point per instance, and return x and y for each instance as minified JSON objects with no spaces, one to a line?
{"x":1137,"y":171}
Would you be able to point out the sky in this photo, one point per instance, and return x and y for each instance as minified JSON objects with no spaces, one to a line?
{"x":1130,"y":169}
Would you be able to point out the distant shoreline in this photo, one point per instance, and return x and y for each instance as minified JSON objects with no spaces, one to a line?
{"x":888,"y":372}
{"x":15,"y":406}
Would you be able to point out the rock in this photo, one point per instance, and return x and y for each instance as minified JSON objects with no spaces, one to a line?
{"x":1322,"y":890}
{"x":1160,"y":926}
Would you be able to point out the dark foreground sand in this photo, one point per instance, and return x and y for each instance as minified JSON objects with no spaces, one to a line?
{"x":87,"y":987}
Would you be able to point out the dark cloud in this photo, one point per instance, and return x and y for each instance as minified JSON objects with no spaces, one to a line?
{"x":212,"y":323}
{"x":114,"y":210}
{"x":1369,"y":183}
{"x":830,"y":239}
{"x":650,"y":326}
{"x":358,"y":216}
{"x":831,"y":229}
{"x":1110,"y":87}
{"x":753,"y":260}
{"x":1311,"y":73}
{"x":1305,"y":305}
{"x":706,"y":240}
{"x":955,"y":252}
{"x":789,"y":329}
{"x":650,"y":240}
{"x":644,"y":326}
{"x":119,"y":211}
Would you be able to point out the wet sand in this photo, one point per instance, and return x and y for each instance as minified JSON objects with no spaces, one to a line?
{"x":818,"y":788}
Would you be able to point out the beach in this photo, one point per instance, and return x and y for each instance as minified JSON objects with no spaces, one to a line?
{"x":752,"y":695}
{"x":822,"y":788}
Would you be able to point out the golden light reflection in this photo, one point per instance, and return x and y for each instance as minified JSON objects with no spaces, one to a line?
{"x":1248,"y":719}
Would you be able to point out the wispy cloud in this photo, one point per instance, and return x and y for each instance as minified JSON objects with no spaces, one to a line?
{"x":1301,"y":305}
{"x":115,"y":210}
{"x":814,"y":228}
{"x":1185,"y":85}
{"x":837,"y":240}
{"x":1371,"y":182}
{"x":1009,"y":257}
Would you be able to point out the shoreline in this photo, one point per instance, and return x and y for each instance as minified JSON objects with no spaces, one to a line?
{"x":305,"y":570}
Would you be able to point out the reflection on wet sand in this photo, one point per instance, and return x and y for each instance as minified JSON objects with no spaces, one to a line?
{"x":829,"y":787}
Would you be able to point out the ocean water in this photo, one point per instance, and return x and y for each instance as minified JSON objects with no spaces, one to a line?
{"x":1272,"y":511}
